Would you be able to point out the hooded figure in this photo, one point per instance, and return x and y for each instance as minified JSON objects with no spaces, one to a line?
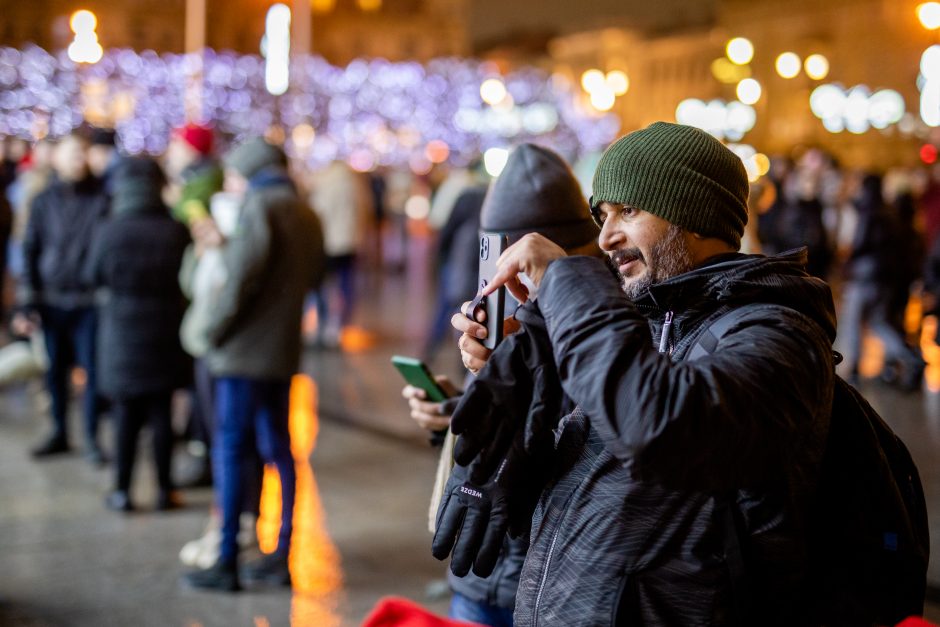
{"x":135,"y":259}
{"x":536,"y":192}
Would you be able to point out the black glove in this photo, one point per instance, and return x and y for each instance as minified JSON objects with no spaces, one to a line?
{"x":516,"y":395}
{"x":472,"y":521}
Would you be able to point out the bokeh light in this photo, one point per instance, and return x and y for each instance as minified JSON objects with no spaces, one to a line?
{"x":723,"y":120}
{"x":494,"y":160}
{"x":437,"y":151}
{"x":593,"y":80}
{"x":788,"y":64}
{"x":618,"y":82}
{"x":603,"y":98}
{"x":417,"y":207}
{"x":748,"y":91}
{"x":83,"y":21}
{"x":930,"y":62}
{"x":383,"y":112}
{"x":727,"y":72}
{"x":816,"y":66}
{"x":929,"y":15}
{"x":492,"y":91}
{"x":740,"y":50}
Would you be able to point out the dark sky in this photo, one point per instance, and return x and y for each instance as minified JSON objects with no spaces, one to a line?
{"x":492,"y":19}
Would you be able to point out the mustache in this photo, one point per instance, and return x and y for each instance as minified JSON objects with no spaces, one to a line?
{"x":620,"y":257}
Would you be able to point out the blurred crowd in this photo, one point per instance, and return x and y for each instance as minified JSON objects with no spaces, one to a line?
{"x":197,"y":274}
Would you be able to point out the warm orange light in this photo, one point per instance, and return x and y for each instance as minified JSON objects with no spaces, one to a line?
{"x":369,"y":5}
{"x":315,"y":565}
{"x":323,"y":6}
{"x":355,"y":339}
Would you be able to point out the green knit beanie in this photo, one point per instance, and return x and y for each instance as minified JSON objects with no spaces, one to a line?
{"x":679,"y":173}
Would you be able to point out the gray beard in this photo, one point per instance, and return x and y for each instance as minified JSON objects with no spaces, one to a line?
{"x":669,"y":257}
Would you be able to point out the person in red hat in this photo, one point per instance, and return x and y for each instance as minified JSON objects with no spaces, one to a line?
{"x":196,"y":174}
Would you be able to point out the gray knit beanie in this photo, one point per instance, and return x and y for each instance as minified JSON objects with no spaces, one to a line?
{"x":679,"y":173}
{"x":537,"y":192}
{"x":254,"y":155}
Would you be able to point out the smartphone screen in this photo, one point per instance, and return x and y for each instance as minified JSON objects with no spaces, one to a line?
{"x":416,"y":373}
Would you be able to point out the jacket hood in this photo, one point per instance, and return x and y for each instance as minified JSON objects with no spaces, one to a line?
{"x":537,"y":192}
{"x":254,"y":155}
{"x":742,"y":279}
{"x":137,"y":186}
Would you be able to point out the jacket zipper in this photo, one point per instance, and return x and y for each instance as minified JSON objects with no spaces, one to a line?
{"x":664,"y":338}
{"x":548,"y":561}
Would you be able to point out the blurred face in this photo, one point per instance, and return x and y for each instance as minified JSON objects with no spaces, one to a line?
{"x":98,"y":158}
{"x":69,"y":159}
{"x":42,"y":154}
{"x":235,"y":183}
{"x":642,"y":247}
{"x":179,"y":155}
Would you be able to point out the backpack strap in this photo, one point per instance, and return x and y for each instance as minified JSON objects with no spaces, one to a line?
{"x":716,"y":329}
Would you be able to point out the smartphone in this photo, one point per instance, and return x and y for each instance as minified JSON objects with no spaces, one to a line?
{"x":416,"y":373}
{"x":492,"y":246}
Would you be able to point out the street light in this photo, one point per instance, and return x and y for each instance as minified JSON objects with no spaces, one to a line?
{"x":85,"y":47}
{"x":277,"y":49}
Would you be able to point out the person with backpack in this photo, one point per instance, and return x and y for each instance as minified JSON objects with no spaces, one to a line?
{"x":682,"y":490}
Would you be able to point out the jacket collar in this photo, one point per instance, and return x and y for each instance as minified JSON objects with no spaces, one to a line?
{"x":736,"y":278}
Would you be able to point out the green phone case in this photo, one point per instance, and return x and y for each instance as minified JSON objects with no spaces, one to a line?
{"x":417,"y":374}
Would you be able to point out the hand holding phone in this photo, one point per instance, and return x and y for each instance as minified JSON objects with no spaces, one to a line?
{"x":418,"y":376}
{"x":416,"y":373}
{"x":492,"y":246}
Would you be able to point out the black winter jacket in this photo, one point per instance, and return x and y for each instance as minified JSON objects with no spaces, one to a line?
{"x":631,"y":531}
{"x":59,"y":234}
{"x":136,"y":258}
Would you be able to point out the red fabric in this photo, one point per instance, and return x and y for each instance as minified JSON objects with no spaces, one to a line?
{"x":914,"y":621}
{"x":399,"y":612}
{"x":199,"y":137}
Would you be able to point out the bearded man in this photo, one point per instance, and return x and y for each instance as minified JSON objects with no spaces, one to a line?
{"x":680,"y":485}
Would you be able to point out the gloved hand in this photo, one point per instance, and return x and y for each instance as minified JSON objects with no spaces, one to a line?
{"x":514,"y":403}
{"x":472,"y":521}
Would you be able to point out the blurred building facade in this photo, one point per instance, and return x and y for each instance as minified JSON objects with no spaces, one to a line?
{"x":877,"y":43}
{"x":342,"y":29}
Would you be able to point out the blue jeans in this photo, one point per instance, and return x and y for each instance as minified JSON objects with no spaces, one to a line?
{"x":462,"y":608}
{"x":246,"y":408}
{"x":70,"y":338}
{"x":343,"y":268}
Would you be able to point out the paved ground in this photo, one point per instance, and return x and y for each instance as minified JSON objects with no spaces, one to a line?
{"x":364,"y":479}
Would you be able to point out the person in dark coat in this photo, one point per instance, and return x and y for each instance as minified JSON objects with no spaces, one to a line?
{"x":274,"y":256}
{"x":536,"y":192}
{"x":629,"y":529}
{"x":62,"y":224}
{"x":136,"y":259}
{"x":874,"y":270}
